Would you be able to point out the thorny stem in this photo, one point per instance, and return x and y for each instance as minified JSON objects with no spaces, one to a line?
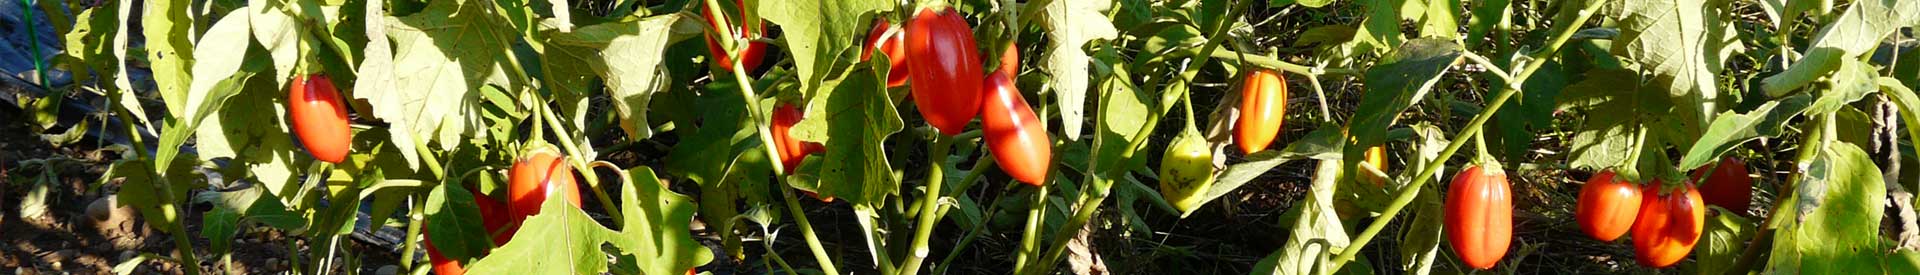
{"x":1407,"y":194}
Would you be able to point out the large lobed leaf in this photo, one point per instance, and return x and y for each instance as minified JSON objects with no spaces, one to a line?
{"x":1857,"y":31}
{"x":1404,"y":79}
{"x":1831,"y":225}
{"x":1316,"y":232}
{"x":818,"y":32}
{"x":1070,"y":26}
{"x":442,"y":55}
{"x":1683,"y":43}
{"x":628,"y":54}
{"x":562,"y":239}
{"x":169,"y":31}
{"x":854,"y":121}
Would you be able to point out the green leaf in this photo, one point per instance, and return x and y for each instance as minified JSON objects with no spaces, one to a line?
{"x":377,"y":74}
{"x":252,"y":133}
{"x":1680,"y":42}
{"x":1123,"y":111}
{"x":1729,"y":129}
{"x":1852,"y":82}
{"x":1323,"y":143}
{"x":1308,"y":3}
{"x":1486,"y":13}
{"x":628,"y":54}
{"x":854,"y":121}
{"x":219,"y":226}
{"x":453,"y":223}
{"x":1421,"y":243}
{"x":1519,"y":119}
{"x":725,"y":132}
{"x":819,"y":32}
{"x":1615,"y":109}
{"x":1907,"y":102}
{"x":1392,"y":87}
{"x":1438,"y":19}
{"x":227,"y":66}
{"x":1725,"y":239}
{"x":278,"y":31}
{"x":1317,"y":232}
{"x":90,"y":43}
{"x":1857,"y":31}
{"x":1326,"y":34}
{"x":169,"y":31}
{"x":142,"y":186}
{"x":655,"y":227}
{"x":1379,"y":32}
{"x":1832,"y":226}
{"x":443,"y":54}
{"x":1070,"y":26}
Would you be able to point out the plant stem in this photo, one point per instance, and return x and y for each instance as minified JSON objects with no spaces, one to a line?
{"x":414,"y":216}
{"x":1095,"y":191}
{"x":761,"y":123}
{"x":979,"y":227}
{"x":1272,"y":63}
{"x":1407,"y":194}
{"x":923,"y":228}
{"x":1326,"y":115}
{"x":1030,"y":236}
{"x":189,"y":263}
{"x":580,"y":162}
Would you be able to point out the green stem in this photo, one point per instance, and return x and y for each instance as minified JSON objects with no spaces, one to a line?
{"x":876,"y":242}
{"x":1270,"y":63}
{"x":181,"y":240}
{"x":923,"y":228}
{"x":415,"y":215}
{"x":1326,"y":115}
{"x":39,"y":63}
{"x":979,"y":228}
{"x":580,"y":162}
{"x":761,"y":128}
{"x":1030,"y":236}
{"x":1406,"y":195}
{"x":1098,"y":186}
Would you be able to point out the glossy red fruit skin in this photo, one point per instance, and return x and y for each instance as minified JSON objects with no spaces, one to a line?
{"x":879,"y":40}
{"x":1263,"y":107}
{"x":539,"y":174}
{"x":1479,"y":216}
{"x":792,"y":150}
{"x":1019,"y":143}
{"x":1728,"y":186}
{"x":441,"y":264}
{"x":319,"y":117}
{"x":752,"y":54}
{"x":1669,"y":226}
{"x":945,"y":67}
{"x":1607,"y":206}
{"x":493,"y":217}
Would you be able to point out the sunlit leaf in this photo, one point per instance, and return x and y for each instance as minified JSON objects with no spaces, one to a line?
{"x":1070,"y":26}
{"x":1831,"y":225}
